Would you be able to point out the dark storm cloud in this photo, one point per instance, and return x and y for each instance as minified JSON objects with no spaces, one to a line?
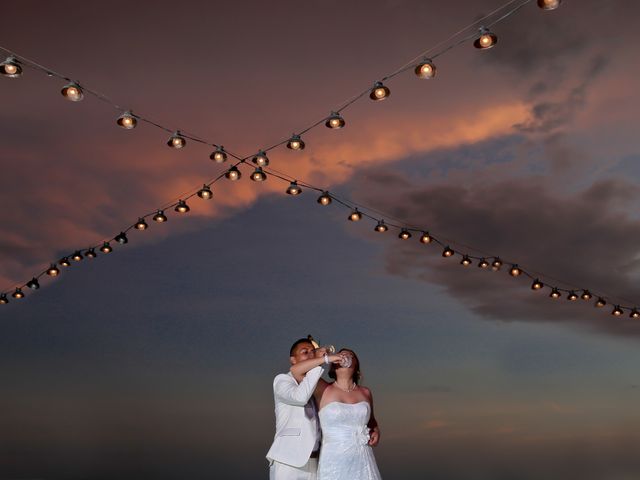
{"x":582,"y":238}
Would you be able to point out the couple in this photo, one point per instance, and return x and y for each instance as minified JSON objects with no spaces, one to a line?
{"x":309,"y":409}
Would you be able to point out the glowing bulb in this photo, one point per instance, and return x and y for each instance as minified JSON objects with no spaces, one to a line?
{"x":18,"y":293}
{"x":355,"y":216}
{"x":106,"y":248}
{"x":182,"y":207}
{"x":295,"y":143}
{"x":335,"y":121}
{"x":127,"y":121}
{"x":91,"y":253}
{"x":601,"y":302}
{"x":33,"y":284}
{"x":64,"y":261}
{"x":496,"y":264}
{"x":466,"y":261}
{"x":141,"y":224}
{"x":483,"y":263}
{"x":634,"y":313}
{"x":573,"y":296}
{"x":324,"y":199}
{"x":121,"y":238}
{"x":379,"y":92}
{"x":425,"y":69}
{"x":586,"y":295}
{"x":447,"y":252}
{"x":425,"y":238}
{"x":77,"y":256}
{"x":177,"y":141}
{"x":555,"y":293}
{"x":381,"y":227}
{"x":233,"y":174}
{"x":549,"y":4}
{"x":160,"y":217}
{"x":258,"y":175}
{"x":53,"y":271}
{"x":617,"y":311}
{"x":205,"y":192}
{"x":536,"y":285}
{"x":515,"y":271}
{"x":404,"y":234}
{"x":486,"y":39}
{"x":72,"y":92}
{"x":294,"y":189}
{"x":261,"y":159}
{"x":218,"y":155}
{"x":11,"y":68}
{"x":3,"y":299}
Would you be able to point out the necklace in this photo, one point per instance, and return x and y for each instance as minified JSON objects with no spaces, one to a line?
{"x":349,"y":389}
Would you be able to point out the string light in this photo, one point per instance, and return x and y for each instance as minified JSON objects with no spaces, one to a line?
{"x":573,"y":296}
{"x":634,"y":313}
{"x":601,"y":302}
{"x":205,"y":192}
{"x":53,"y":270}
{"x":176,"y":140}
{"x":617,"y":311}
{"x":486,"y":39}
{"x":233,"y":174}
{"x":379,"y":92}
{"x":355,"y":216}
{"x":295,"y":143}
{"x":160,"y":216}
{"x":555,"y":293}
{"x":515,"y":271}
{"x":3,"y":299}
{"x":294,"y":189}
{"x":77,"y":256}
{"x":404,"y":234}
{"x":381,"y":227}
{"x":260,"y":159}
{"x":324,"y":199}
{"x":218,"y":155}
{"x":549,"y":4}
{"x":11,"y":67}
{"x":127,"y":120}
{"x":141,"y":224}
{"x":18,"y":293}
{"x":258,"y":175}
{"x":537,"y":285}
{"x":182,"y":207}
{"x":335,"y":121}
{"x":72,"y":92}
{"x":496,"y":264}
{"x":91,"y":253}
{"x":466,"y":261}
{"x":586,"y":295}
{"x":483,"y":263}
{"x":447,"y":252}
{"x":121,"y":238}
{"x":425,"y":69}
{"x":64,"y":261}
{"x":106,"y":248}
{"x":425,"y":238}
{"x":33,"y":284}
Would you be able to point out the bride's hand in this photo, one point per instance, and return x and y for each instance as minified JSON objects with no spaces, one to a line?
{"x":374,"y":437}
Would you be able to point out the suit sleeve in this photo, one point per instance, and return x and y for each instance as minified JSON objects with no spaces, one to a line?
{"x":287,"y":391}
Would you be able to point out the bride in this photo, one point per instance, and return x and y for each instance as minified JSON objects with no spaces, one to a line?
{"x":349,"y":428}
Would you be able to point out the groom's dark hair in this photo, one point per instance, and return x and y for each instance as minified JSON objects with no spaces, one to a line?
{"x":298,"y":342}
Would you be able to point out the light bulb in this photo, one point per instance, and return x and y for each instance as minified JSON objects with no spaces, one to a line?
{"x":127,"y":121}
{"x":634,"y":313}
{"x":586,"y":295}
{"x":425,"y":238}
{"x":425,"y":69}
{"x":233,"y":174}
{"x":64,"y":261}
{"x":121,"y":238}
{"x":573,"y":296}
{"x":355,"y":216}
{"x":536,"y":285}
{"x":160,"y":217}
{"x":18,"y":293}
{"x":496,"y":264}
{"x":176,"y":141}
{"x":601,"y":302}
{"x":33,"y":284}
{"x":617,"y":311}
{"x":294,"y":189}
{"x":549,"y":4}
{"x":486,"y":39}
{"x":218,"y":155}
{"x":447,"y":252}
{"x":11,"y":68}
{"x":205,"y":192}
{"x":261,"y":159}
{"x":335,"y":121}
{"x":3,"y":299}
{"x":72,"y":92}
{"x":295,"y":143}
{"x":515,"y":271}
{"x":91,"y":253}
{"x":182,"y":207}
{"x":381,"y":227}
{"x":483,"y":263}
{"x":53,"y":271}
{"x":258,"y":175}
{"x":555,"y":293}
{"x":324,"y":199}
{"x":379,"y":92}
{"x":141,"y":224}
{"x":404,"y":234}
{"x":466,"y":261}
{"x":106,"y":248}
{"x":77,"y":256}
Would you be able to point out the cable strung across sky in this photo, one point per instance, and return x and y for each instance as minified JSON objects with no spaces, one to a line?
{"x":484,"y":39}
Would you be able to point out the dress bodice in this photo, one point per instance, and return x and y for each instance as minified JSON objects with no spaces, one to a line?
{"x":345,"y":422}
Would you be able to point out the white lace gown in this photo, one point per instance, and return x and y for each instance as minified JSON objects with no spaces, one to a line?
{"x":345,"y":453}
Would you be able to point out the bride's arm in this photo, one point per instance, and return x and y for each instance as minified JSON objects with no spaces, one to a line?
{"x":374,"y":433}
{"x":301,"y":368}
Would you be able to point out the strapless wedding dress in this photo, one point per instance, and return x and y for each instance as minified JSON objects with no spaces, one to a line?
{"x":345,"y":453}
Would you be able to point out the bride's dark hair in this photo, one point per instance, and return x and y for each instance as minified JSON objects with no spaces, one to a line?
{"x":357,"y":376}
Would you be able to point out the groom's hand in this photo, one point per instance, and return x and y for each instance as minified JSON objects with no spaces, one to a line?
{"x":374,"y":437}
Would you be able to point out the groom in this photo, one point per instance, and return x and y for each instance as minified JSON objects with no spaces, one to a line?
{"x":294,"y":452}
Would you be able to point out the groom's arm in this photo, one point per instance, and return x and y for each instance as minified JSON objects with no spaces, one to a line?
{"x":286,"y":390}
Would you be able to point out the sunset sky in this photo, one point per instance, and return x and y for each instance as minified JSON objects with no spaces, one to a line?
{"x":157,"y":360}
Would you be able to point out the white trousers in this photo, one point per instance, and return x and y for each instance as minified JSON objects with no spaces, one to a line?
{"x":280,"y":471}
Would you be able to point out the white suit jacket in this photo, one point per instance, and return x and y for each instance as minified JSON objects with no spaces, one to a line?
{"x":297,"y":427}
